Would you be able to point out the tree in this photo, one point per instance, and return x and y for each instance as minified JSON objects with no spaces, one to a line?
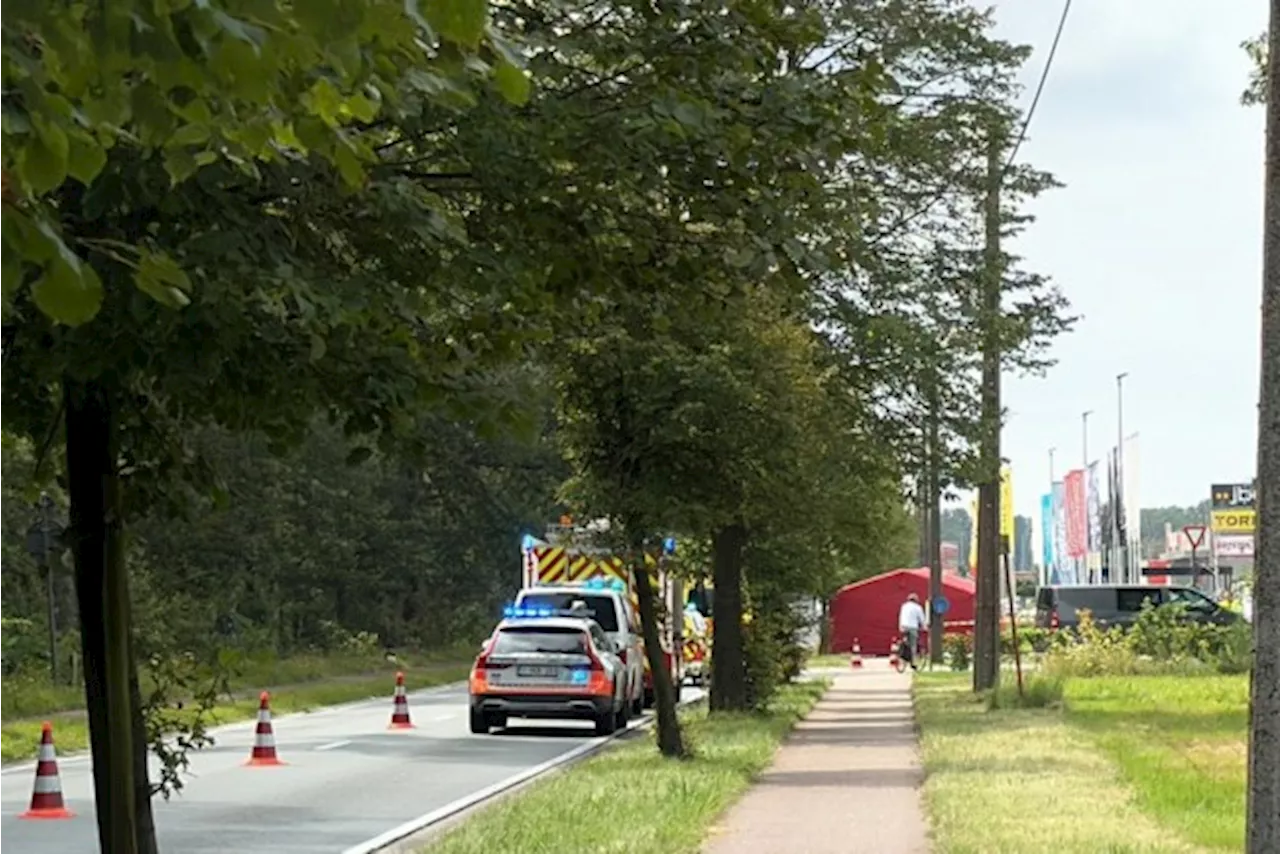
{"x":206,"y":159}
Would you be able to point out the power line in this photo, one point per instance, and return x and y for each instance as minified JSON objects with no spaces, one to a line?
{"x":1044,"y":76}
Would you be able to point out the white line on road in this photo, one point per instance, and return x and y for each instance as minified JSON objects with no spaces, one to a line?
{"x":331,"y":745}
{"x":409,"y":828}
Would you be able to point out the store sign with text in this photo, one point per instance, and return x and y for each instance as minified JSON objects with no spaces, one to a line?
{"x":1233,"y":545}
{"x":1233,"y":521}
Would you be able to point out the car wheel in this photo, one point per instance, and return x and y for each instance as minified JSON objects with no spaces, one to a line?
{"x":479,"y":723}
{"x":606,"y":724}
{"x":622,"y":715}
{"x":498,"y":721}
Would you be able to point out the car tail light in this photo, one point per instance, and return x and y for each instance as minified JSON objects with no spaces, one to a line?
{"x":479,"y":681}
{"x":599,"y":682}
{"x":1053,"y":619}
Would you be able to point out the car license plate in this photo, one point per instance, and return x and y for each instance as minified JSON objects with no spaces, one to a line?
{"x":538,"y":671}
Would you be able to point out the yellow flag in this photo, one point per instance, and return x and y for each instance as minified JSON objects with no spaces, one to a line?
{"x":1006,"y":505}
{"x":973,"y":535}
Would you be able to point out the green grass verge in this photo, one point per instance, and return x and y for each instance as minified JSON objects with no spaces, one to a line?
{"x":1011,"y":781}
{"x":829,"y":660}
{"x":304,"y":685}
{"x":630,"y":799}
{"x":1182,"y":744}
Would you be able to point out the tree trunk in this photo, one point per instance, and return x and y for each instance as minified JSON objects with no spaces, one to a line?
{"x":728,"y":661}
{"x":670,"y":739}
{"x":146,"y":834}
{"x":103,"y":592}
{"x":1263,"y":811}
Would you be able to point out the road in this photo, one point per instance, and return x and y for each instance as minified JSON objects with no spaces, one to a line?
{"x":347,"y":781}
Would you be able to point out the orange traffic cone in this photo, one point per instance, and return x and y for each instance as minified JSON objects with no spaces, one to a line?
{"x":893,"y":652}
{"x":264,"y":739}
{"x":46,"y":795}
{"x":856,"y":660}
{"x":400,"y":707}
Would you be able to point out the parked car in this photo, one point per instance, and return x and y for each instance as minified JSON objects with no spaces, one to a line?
{"x":549,"y":667}
{"x":1120,"y":605}
{"x":612,"y":610}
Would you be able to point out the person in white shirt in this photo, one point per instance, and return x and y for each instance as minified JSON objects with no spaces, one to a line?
{"x":911,"y":621}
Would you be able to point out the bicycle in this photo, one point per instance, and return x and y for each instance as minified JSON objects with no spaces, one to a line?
{"x":901,"y":661}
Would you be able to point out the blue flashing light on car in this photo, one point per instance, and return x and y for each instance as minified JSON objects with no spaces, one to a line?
{"x":513,"y":612}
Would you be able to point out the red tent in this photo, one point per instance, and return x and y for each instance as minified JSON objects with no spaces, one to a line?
{"x":868,"y":610}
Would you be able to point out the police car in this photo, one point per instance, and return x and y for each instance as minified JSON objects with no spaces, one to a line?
{"x":544,"y":663}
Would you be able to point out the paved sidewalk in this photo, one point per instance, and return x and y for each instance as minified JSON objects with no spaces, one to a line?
{"x":846,"y":782}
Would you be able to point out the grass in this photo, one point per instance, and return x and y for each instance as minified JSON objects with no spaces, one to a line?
{"x":829,"y":660}
{"x":296,"y":685}
{"x":630,"y":799}
{"x":1010,"y":781}
{"x":1180,"y":742}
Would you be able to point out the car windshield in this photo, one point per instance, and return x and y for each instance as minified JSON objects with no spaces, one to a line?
{"x":1191,"y":599}
{"x":599,"y":608}
{"x":549,"y":639}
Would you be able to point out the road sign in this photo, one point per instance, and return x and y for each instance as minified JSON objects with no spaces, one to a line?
{"x":941,"y":605}
{"x":1195,"y":534}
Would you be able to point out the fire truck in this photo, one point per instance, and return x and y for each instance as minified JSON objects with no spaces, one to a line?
{"x":571,"y":557}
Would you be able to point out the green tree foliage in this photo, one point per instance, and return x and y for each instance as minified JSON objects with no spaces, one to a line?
{"x":240,"y":84}
{"x":1154,"y":520}
{"x":252,"y":242}
{"x":1256,"y":92}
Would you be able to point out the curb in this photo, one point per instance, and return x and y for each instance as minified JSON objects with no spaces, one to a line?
{"x":393,"y":840}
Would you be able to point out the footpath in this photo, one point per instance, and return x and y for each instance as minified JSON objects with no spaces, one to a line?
{"x":847,"y":781}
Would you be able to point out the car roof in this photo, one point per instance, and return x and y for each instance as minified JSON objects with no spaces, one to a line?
{"x":583,"y":623}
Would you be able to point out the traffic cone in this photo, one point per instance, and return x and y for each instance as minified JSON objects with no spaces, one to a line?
{"x":893,"y":652}
{"x":264,"y":738}
{"x":400,"y":707}
{"x":856,"y":661}
{"x":46,"y":795}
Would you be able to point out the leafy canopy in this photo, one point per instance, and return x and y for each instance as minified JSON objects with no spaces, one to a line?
{"x":239,"y":82}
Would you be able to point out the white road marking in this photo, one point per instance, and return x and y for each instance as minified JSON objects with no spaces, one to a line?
{"x":396,"y":834}
{"x":331,"y":745}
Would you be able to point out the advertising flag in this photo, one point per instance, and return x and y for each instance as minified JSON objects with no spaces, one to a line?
{"x":1061,"y":566}
{"x":1046,"y":531}
{"x":1095,"y":518}
{"x":1077,"y":515}
{"x":1006,"y":508}
{"x":973,"y":534}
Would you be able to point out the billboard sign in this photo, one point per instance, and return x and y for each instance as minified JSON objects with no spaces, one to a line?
{"x":1233,"y":511}
{"x":1233,"y":545}
{"x":1232,"y":496}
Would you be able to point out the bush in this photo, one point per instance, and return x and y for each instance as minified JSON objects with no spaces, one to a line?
{"x":958,"y":650}
{"x":1161,"y":640}
{"x":1095,"y":653}
{"x":1038,"y":692}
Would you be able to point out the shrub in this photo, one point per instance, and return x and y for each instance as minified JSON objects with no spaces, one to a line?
{"x":958,"y":650}
{"x":1095,"y":653}
{"x":1038,"y":692}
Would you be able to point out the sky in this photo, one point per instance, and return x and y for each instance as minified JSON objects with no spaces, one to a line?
{"x":1155,"y":240}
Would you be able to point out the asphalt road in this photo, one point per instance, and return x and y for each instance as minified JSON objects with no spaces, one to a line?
{"x":347,"y":781}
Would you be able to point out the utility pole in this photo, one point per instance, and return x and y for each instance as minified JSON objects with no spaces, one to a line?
{"x":935,"y":523}
{"x":1262,"y":834}
{"x":986,"y":630}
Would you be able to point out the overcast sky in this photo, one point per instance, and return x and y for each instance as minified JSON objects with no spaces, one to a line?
{"x":1156,"y":240}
